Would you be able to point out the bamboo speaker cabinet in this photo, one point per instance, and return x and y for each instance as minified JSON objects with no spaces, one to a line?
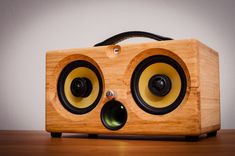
{"x":169,"y":87}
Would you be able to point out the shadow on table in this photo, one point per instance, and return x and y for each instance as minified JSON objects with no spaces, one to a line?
{"x":131,"y":137}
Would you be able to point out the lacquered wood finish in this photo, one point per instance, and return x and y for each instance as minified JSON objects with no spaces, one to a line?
{"x":199,"y":112}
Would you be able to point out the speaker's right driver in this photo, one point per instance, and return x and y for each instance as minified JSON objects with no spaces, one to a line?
{"x":158,"y":84}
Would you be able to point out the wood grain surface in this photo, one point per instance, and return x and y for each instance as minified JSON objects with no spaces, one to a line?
{"x":40,"y":143}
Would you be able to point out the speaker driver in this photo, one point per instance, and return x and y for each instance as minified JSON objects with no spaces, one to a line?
{"x":158,"y":84}
{"x":79,"y":87}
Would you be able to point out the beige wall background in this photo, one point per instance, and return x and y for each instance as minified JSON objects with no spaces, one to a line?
{"x":29,"y":28}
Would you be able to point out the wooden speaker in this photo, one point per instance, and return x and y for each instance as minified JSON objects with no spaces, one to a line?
{"x":169,"y":87}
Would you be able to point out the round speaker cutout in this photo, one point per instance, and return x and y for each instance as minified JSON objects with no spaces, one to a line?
{"x":158,"y":84}
{"x":113,"y":115}
{"x":79,"y":87}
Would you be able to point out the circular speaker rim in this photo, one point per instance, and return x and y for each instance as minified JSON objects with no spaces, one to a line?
{"x":103,"y":111}
{"x":135,"y":87}
{"x":60,"y":86}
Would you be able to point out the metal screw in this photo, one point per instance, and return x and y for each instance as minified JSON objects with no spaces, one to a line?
{"x":110,"y":94}
{"x":116,"y":50}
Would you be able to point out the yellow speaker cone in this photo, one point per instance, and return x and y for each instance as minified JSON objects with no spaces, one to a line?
{"x":81,"y":102}
{"x":150,"y":98}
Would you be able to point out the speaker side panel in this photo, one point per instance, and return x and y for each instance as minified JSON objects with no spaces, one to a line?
{"x":209,"y":88}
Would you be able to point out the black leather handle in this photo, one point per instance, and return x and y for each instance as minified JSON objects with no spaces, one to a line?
{"x":129,"y":34}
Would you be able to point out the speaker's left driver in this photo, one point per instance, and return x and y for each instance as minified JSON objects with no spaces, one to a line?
{"x":79,"y":87}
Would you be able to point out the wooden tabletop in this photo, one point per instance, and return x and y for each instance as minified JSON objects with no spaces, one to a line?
{"x":40,"y":143}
